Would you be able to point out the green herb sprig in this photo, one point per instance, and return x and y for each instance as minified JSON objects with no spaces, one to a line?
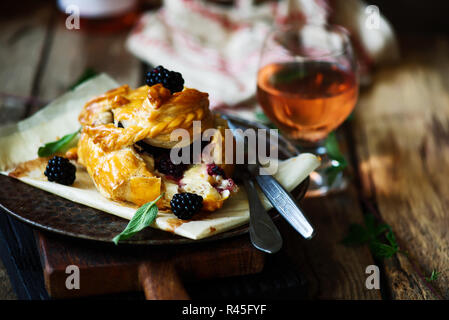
{"x":379,"y":237}
{"x":434,"y":276}
{"x":339,"y":162}
{"x":382,"y":242}
{"x":143,"y":217}
{"x":58,"y":146}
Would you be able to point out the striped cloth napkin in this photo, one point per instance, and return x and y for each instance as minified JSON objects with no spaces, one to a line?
{"x":217,"y":48}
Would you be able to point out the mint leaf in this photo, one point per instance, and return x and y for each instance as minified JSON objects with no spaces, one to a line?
{"x":374,"y":229}
{"x":379,"y":237}
{"x":392,"y":239}
{"x":143,"y":217}
{"x":57,"y":146}
{"x":434,"y":276}
{"x":382,"y":250}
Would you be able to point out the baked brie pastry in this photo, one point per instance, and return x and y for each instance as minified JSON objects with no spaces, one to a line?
{"x":125,"y":146}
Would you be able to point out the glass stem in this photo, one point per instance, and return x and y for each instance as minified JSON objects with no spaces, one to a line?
{"x":319,"y":179}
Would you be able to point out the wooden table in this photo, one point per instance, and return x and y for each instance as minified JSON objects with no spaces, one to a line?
{"x":398,"y":144}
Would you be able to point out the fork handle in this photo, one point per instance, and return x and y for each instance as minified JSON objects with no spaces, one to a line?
{"x":263,"y":232}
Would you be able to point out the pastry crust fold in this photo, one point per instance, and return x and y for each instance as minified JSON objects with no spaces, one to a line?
{"x":114,"y":122}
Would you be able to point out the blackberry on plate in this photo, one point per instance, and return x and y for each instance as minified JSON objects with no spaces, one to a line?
{"x":60,"y":170}
{"x":184,"y":205}
{"x":164,"y":165}
{"x":171,"y":80}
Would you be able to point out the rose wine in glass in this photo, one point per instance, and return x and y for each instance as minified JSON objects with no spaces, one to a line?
{"x":307,"y":85}
{"x":307,"y":100}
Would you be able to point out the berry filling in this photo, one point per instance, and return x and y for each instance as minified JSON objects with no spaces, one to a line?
{"x":164,"y":165}
{"x":226,"y":185}
{"x":221,"y":182}
{"x":214,"y":170}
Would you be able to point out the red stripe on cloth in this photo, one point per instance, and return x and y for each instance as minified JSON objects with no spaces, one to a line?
{"x":292,"y":17}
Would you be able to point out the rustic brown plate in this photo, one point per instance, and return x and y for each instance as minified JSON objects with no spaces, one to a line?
{"x":50,"y":212}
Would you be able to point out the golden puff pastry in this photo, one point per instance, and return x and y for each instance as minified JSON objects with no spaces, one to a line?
{"x":116,"y":124}
{"x":120,"y":174}
{"x":152,"y":113}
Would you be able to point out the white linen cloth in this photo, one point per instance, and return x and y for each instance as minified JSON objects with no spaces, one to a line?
{"x":217,"y":48}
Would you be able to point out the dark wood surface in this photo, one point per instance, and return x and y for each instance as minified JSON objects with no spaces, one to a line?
{"x":20,"y":258}
{"x":397,"y":141}
{"x":159,"y":270}
{"x":401,"y":132}
{"x":19,"y":253}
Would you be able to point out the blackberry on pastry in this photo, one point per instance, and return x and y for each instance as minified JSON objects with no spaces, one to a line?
{"x":171,"y":80}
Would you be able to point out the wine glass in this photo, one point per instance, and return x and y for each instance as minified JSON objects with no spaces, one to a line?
{"x":307,"y":85}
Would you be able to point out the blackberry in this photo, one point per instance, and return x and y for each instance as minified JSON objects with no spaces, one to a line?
{"x":60,"y":170}
{"x":164,"y":165}
{"x":185,"y":205}
{"x":214,"y":170}
{"x":171,"y":80}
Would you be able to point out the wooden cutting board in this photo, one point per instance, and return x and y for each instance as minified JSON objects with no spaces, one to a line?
{"x":157,"y":270}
